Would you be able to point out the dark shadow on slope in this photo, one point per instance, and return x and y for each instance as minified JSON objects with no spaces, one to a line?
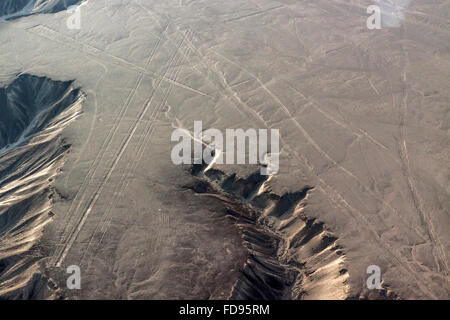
{"x":14,"y":9}
{"x":28,"y":105}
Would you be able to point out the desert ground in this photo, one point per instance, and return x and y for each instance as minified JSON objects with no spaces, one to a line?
{"x":86,"y":177}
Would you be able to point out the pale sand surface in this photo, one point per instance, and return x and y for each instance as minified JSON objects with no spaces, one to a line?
{"x":363,"y":117}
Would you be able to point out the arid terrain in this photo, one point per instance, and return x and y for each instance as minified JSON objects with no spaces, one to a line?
{"x":88,"y":108}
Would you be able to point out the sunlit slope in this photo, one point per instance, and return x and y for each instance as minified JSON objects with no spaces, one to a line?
{"x":34,"y":111}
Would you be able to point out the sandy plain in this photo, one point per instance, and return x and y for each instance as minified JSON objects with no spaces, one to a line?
{"x":363,"y":117}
